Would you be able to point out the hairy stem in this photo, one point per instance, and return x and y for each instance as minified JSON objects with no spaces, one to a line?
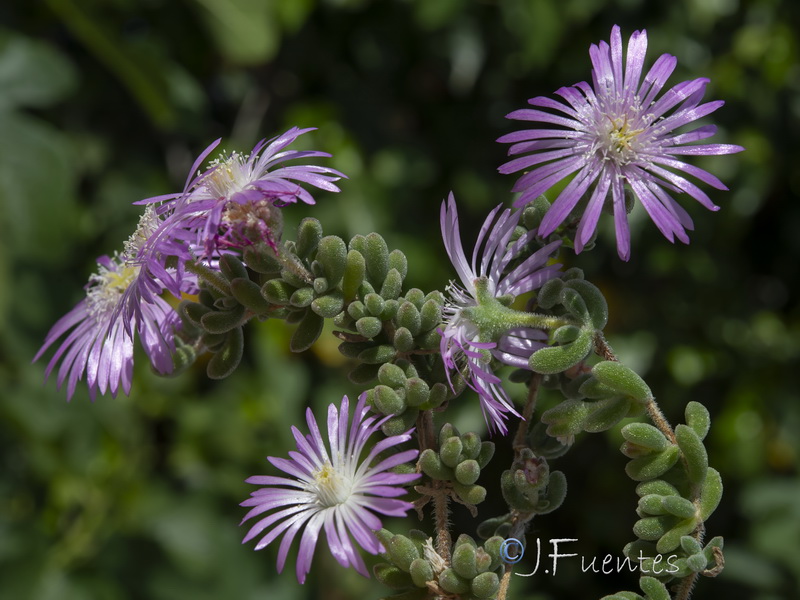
{"x":602,"y":348}
{"x":527,"y":414}
{"x":441,"y":515}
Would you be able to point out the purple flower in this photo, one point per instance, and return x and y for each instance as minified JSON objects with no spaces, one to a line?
{"x":616,"y":132}
{"x":479,"y":325}
{"x":101,"y":328}
{"x":331,"y":487}
{"x":236,"y":201}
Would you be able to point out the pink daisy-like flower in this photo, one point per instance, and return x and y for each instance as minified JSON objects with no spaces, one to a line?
{"x":617,"y":132}
{"x":101,"y":328}
{"x":236,"y":201}
{"x":479,"y":325}
{"x":332,"y":487}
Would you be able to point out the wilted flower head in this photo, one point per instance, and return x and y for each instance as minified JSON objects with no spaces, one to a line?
{"x":236,"y":201}
{"x":616,"y":132}
{"x":479,"y":325}
{"x":101,"y":328}
{"x":331,"y":486}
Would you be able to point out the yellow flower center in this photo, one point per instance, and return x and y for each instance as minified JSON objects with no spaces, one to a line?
{"x":618,"y":141}
{"x":330,"y":486}
{"x":228,"y":175}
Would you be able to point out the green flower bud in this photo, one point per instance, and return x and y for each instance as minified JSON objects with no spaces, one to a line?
{"x":421,"y":572}
{"x":391,"y":375}
{"x":566,"y":334}
{"x":374,"y":304}
{"x":213,"y":341}
{"x":678,"y":506}
{"x":415,"y":295}
{"x":464,"y":561}
{"x":260,"y":258}
{"x":332,"y":254}
{"x":492,"y":547}
{"x":485,"y":585}
{"x":403,"y":340}
{"x":604,"y":414}
{"x":554,"y":495}
{"x":652,"y":505}
{"x":594,"y":300}
{"x":657,"y":486}
{"x":556,"y":359}
{"x":277,"y":291}
{"x":249,"y":295}
{"x":193,"y":312}
{"x":431,"y":464}
{"x":437,"y":396}
{"x":482,"y":560}
{"x":378,"y":354}
{"x":232,"y":267}
{"x":430,"y":340}
{"x":471,"y":443}
{"x":417,"y":391}
{"x":376,"y":253}
{"x":644,"y":434}
{"x":450,"y":451}
{"x":401,"y":423}
{"x":710,"y":494}
{"x":694,"y":452}
{"x":451,"y":582}
{"x":654,"y":589}
{"x":690,"y":545}
{"x":622,"y":379}
{"x":672,"y":538}
{"x":354,"y":271}
{"x":321,"y":285}
{"x":328,"y":306}
{"x":228,"y":357}
{"x":485,"y":453}
{"x":697,"y":418}
{"x":402,"y":552}
{"x":369,"y":327}
{"x":408,"y":316}
{"x":397,"y":260}
{"x":471,"y":494}
{"x":223,"y":321}
{"x":307,"y":332}
{"x":534,"y":213}
{"x":309,"y":233}
{"x":387,"y":401}
{"x":389,"y":310}
{"x":550,"y":293}
{"x":430,"y":315}
{"x":697,"y":562}
{"x":566,"y":418}
{"x":391,"y":576}
{"x":302,"y":297}
{"x":447,"y":431}
{"x":654,"y":465}
{"x":575,"y":305}
{"x":652,"y":528}
{"x":467,"y":472}
{"x":356,"y":310}
{"x":392,"y":285}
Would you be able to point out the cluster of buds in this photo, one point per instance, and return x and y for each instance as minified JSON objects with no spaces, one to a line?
{"x":416,"y":570}
{"x":459,"y":461}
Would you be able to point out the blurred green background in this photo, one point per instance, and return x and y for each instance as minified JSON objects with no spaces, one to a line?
{"x":104,"y":102}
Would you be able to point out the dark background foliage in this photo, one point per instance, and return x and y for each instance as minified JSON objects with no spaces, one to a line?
{"x":104,"y":102}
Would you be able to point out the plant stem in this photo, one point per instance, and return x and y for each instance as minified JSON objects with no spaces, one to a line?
{"x":527,"y":414}
{"x":602,"y":348}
